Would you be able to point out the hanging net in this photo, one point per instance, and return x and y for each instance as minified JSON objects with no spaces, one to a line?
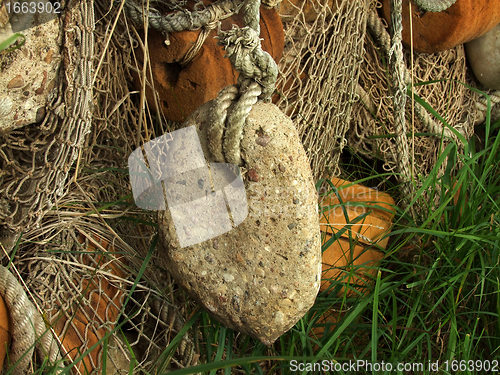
{"x":319,"y":73}
{"x":65,"y":189}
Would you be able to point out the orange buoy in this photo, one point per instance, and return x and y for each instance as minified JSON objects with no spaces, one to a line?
{"x":365,"y":215}
{"x":182,"y":88}
{"x":5,"y":331}
{"x":438,"y":31}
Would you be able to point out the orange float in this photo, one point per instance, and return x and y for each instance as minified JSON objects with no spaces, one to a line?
{"x":5,"y":331}
{"x":352,"y":257}
{"x":103,"y":305}
{"x":438,"y":31}
{"x":182,"y":88}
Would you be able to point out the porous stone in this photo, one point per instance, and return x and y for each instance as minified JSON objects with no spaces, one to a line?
{"x":180,"y":89}
{"x":262,"y":276}
{"x":30,"y":73}
{"x":483,"y":55}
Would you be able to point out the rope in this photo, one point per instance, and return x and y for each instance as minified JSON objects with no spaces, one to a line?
{"x":236,"y":121}
{"x":244,"y":50}
{"x":195,"y":48}
{"x":258,"y":74}
{"x":30,"y":186}
{"x":217,"y":119}
{"x":398,"y":70}
{"x":28,"y":327}
{"x":434,"y":5}
{"x":183,"y":19}
{"x":380,"y":32}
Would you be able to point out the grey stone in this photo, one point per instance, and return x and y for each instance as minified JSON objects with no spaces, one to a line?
{"x":29,"y":75}
{"x":262,"y":276}
{"x":483,"y":55}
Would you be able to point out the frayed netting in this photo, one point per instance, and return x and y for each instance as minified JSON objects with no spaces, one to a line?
{"x":319,"y":72}
{"x":84,"y":260}
{"x":438,"y":79}
{"x":70,"y":188}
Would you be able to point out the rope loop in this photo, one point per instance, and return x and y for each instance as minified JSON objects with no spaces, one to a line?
{"x":227,"y":119}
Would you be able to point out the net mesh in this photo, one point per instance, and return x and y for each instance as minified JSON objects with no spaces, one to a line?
{"x":65,"y":185}
{"x":65,"y":182}
{"x":319,"y":73}
{"x":373,"y":116}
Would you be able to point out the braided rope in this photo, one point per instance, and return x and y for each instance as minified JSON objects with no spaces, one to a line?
{"x":482,"y":104}
{"x":258,"y":74}
{"x":244,"y":50}
{"x":398,"y":69}
{"x":195,"y":48}
{"x":28,"y":326}
{"x":434,"y":5}
{"x":183,"y":19}
{"x":236,"y":122}
{"x":217,"y":119}
{"x":380,"y":32}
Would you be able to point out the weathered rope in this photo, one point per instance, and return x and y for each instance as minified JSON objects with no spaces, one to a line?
{"x":258,"y":74}
{"x":217,"y":119}
{"x":434,"y":5}
{"x":183,"y":19}
{"x":482,"y":107}
{"x":482,"y":104}
{"x":236,"y":121}
{"x":28,"y":326}
{"x":398,"y":70}
{"x":380,"y":32}
{"x":244,"y":50}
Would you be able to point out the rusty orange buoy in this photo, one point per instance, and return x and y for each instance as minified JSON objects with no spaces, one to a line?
{"x":181,"y":87}
{"x":438,"y":31}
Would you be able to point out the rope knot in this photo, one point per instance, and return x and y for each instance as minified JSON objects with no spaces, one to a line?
{"x":243,"y":48}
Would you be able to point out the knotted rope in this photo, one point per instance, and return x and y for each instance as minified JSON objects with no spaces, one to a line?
{"x":398,"y":70}
{"x":258,"y":74}
{"x":258,"y":70}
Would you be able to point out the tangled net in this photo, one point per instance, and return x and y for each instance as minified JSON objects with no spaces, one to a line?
{"x":319,"y":73}
{"x":79,"y":256}
{"x":64,"y":182}
{"x":373,"y":130}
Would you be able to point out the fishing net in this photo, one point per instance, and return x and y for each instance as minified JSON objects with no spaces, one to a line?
{"x":64,"y":182}
{"x":373,"y":126}
{"x":75,"y":238}
{"x":319,"y":73}
{"x":439,"y":79}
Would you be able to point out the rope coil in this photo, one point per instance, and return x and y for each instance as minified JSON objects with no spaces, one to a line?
{"x":29,"y":331}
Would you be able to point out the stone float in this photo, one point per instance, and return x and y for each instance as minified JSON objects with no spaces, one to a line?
{"x":483,"y":55}
{"x":261,"y":277}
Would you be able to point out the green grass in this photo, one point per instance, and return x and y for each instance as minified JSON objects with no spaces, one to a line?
{"x":435,"y":299}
